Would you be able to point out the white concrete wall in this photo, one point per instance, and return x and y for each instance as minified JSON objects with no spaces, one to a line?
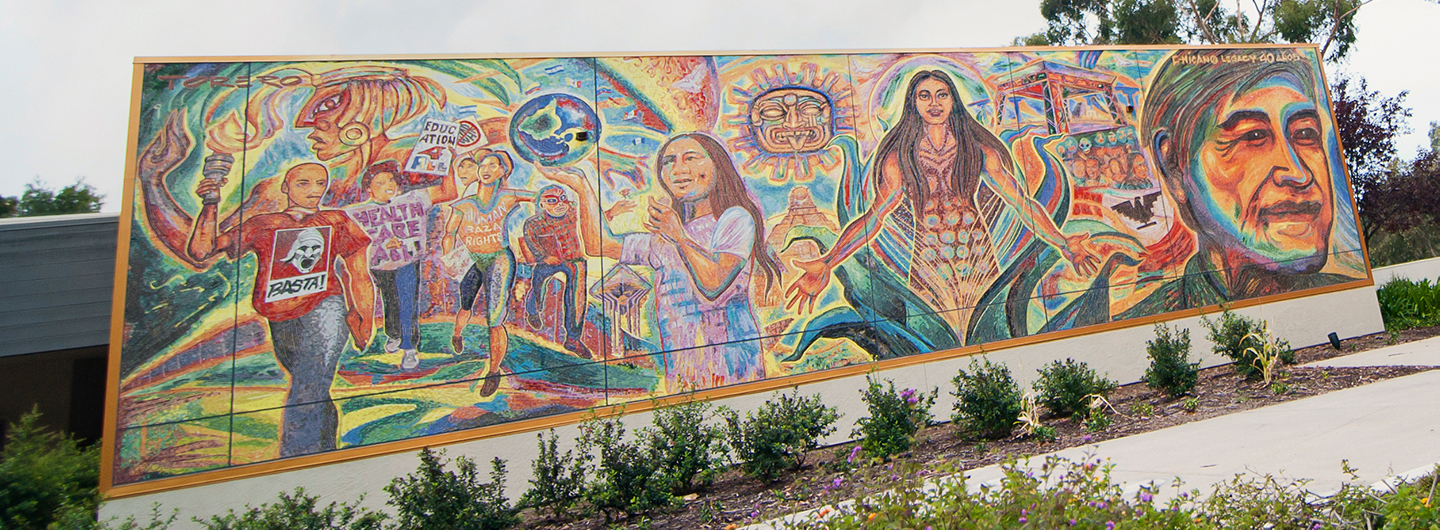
{"x":1118,"y":353}
{"x":1415,"y":270}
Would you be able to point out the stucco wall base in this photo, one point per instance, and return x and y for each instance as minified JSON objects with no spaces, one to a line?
{"x":1118,"y":353}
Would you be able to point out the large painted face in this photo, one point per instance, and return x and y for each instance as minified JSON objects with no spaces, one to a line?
{"x":791,"y":120}
{"x":491,"y":170}
{"x":934,"y":101}
{"x":336,"y":130}
{"x":383,"y":187}
{"x":305,"y":185}
{"x":1260,"y":180}
{"x":687,"y":170}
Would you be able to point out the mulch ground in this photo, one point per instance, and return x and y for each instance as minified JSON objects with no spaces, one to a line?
{"x":737,"y":500}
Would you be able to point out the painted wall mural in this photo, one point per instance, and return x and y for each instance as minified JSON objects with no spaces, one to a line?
{"x":329,"y":255}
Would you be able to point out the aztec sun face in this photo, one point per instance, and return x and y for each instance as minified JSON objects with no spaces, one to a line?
{"x":786,"y":121}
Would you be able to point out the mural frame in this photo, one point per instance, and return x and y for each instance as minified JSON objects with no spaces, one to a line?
{"x":128,"y":213}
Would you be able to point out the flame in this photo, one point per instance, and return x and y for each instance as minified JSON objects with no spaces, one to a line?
{"x":226,"y":136}
{"x":230,"y":135}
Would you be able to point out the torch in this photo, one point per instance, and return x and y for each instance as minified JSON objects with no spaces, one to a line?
{"x":223,"y":139}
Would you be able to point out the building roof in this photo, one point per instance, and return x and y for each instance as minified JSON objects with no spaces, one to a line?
{"x":56,"y":281}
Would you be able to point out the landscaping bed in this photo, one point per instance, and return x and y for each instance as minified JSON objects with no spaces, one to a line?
{"x":827,"y":477}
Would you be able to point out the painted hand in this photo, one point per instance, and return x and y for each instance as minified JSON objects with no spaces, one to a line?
{"x":807,"y":288}
{"x":1077,"y":252}
{"x":208,"y":187}
{"x":621,"y":207}
{"x":664,"y":222}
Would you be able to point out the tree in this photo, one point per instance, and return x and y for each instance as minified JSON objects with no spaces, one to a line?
{"x":38,"y":199}
{"x":1078,"y":22}
{"x":1367,"y":124}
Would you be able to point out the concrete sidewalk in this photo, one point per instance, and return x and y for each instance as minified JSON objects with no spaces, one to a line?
{"x":1419,"y":353}
{"x":1383,"y":429}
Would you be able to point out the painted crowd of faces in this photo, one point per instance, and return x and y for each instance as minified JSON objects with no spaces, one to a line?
{"x":756,"y":217}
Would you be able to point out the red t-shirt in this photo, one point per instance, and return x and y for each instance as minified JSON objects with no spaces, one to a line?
{"x":297,"y":259}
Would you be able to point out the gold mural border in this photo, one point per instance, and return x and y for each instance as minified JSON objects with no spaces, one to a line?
{"x":200,"y":478}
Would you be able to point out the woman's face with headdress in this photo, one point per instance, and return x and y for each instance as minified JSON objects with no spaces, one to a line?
{"x":933,"y":99}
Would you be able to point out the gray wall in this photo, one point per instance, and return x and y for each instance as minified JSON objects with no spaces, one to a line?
{"x":56,"y":280}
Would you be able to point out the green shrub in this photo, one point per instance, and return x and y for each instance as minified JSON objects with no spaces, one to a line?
{"x":626,"y":478}
{"x":1142,"y":409}
{"x":1065,"y":387}
{"x":987,"y":400}
{"x":687,"y":446}
{"x":1170,"y":368}
{"x":1190,"y":404}
{"x":435,"y":497}
{"x":1237,"y":338}
{"x":895,"y":417}
{"x":44,"y":475}
{"x":1406,"y":304}
{"x":774,"y":439}
{"x":557,"y":481}
{"x":298,"y":511}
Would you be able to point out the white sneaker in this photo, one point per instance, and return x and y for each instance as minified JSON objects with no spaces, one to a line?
{"x":411,"y":359}
{"x":392,"y":345}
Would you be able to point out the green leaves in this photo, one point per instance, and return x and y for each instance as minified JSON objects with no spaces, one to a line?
{"x":1065,"y":387}
{"x":987,"y":400}
{"x":1094,"y":22}
{"x":895,"y":417}
{"x":43,"y":474}
{"x":39,"y":199}
{"x":435,"y":497}
{"x":1170,"y":369}
{"x":775,"y":438}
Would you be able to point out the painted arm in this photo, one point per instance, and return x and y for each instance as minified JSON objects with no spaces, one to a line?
{"x":712,"y":271}
{"x":1034,"y":216}
{"x":452,"y":225}
{"x":360,"y":296}
{"x":593,"y":237}
{"x":448,"y":192}
{"x":204,"y":241}
{"x":857,"y":234}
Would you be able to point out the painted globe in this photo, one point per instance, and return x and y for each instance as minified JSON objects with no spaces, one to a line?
{"x":554,"y":130}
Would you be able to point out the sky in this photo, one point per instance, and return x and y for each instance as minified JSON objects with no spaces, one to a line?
{"x":68,"y":64}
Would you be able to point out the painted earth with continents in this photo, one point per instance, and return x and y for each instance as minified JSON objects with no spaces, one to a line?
{"x":554,"y":130}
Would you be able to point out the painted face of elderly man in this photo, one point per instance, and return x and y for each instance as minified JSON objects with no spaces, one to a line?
{"x":1242,"y":149}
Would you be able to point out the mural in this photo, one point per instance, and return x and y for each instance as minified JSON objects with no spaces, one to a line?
{"x":328,"y":255}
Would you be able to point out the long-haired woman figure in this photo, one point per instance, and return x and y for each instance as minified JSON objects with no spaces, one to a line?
{"x":928,"y":222}
{"x":703,"y":242}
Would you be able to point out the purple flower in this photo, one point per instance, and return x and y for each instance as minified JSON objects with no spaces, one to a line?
{"x":912,"y":400}
{"x":1109,"y":525}
{"x":853,"y":453}
{"x":1072,"y":522}
{"x":839,"y":481}
{"x":1145,"y":496}
{"x":1023,"y":520}
{"x":907,"y":393}
{"x":1086,"y":438}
